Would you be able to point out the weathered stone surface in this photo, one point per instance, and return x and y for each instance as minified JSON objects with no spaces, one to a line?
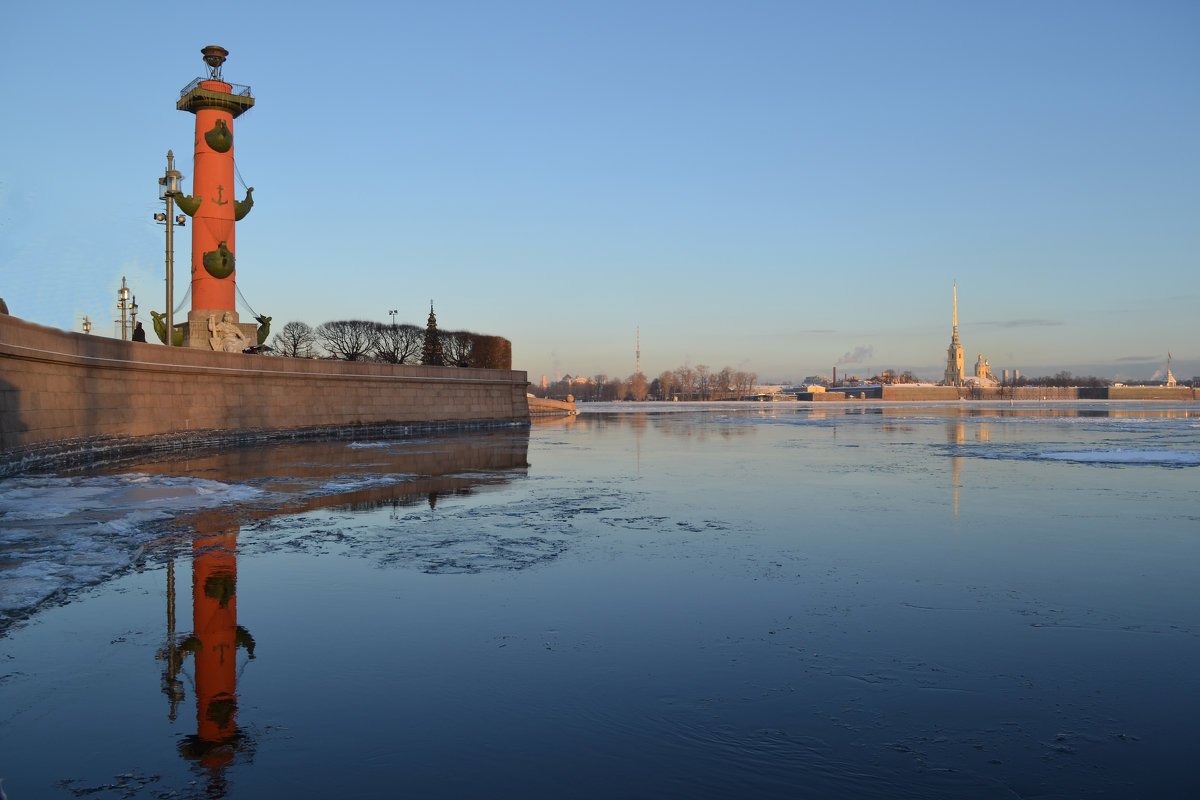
{"x":58,"y":387}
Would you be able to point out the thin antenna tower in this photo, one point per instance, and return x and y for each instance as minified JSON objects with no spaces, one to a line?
{"x":638,"y":371}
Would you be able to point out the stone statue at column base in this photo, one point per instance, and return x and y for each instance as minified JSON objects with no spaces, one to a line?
{"x":225,"y":336}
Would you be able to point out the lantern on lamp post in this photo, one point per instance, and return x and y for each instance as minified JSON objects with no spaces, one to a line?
{"x":168,"y":189}
{"x":123,"y":305}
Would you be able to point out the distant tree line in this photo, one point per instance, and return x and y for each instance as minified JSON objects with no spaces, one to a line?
{"x":683,"y":383}
{"x":701,"y":383}
{"x":891,"y":376}
{"x":1063,"y":378}
{"x":362,"y":340}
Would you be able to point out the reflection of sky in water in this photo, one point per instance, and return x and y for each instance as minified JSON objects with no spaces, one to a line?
{"x":901,"y":602}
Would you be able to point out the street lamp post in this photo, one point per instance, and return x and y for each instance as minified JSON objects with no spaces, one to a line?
{"x":123,"y":304}
{"x":394,"y":312}
{"x":168,"y":190}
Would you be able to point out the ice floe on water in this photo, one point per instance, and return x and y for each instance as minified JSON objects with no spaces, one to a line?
{"x":1175,"y":458}
{"x":1103,"y":456}
{"x":346,"y":484}
{"x":497,"y":535}
{"x":387,"y":444}
{"x":61,"y":534}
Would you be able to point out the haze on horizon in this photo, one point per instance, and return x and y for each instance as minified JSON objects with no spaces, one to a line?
{"x":774,"y":186}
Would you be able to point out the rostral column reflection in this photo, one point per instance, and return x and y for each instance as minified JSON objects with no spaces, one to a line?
{"x":448,"y":465}
{"x":213,"y":645}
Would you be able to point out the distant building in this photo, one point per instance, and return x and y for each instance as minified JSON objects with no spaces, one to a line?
{"x":983,"y":373}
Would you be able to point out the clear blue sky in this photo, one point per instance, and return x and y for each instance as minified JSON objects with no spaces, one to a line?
{"x":773,"y":186}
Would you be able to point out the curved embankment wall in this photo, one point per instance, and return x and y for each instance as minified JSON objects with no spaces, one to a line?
{"x":543,"y":407}
{"x":63,"y":392}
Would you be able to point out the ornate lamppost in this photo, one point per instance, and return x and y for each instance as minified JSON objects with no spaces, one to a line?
{"x":168,"y":189}
{"x":123,"y":304}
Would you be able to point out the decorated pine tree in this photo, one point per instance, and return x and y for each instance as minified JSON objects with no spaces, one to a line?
{"x":431,"y":353}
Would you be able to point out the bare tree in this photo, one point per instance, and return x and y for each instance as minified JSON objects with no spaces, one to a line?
{"x":294,"y":340}
{"x":723,"y":382}
{"x":637,"y":386}
{"x":457,"y":347}
{"x":666,"y":384}
{"x":744,"y":382}
{"x":685,"y":379}
{"x":590,"y":390}
{"x":398,"y":344}
{"x":703,"y":379}
{"x":349,"y":339}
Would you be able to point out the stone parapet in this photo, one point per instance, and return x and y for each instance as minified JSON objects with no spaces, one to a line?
{"x":60,"y":388}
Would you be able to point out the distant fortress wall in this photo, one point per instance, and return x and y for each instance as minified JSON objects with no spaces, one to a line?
{"x":902,"y":392}
{"x":913,"y":393}
{"x":920,"y":393}
{"x":1152,"y":393}
{"x":62,"y":391}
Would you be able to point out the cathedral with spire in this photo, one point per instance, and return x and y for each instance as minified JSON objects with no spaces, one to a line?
{"x":954,"y":353}
{"x":955,"y":373}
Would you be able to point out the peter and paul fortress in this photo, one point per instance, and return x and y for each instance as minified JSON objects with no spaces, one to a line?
{"x":955,"y":374}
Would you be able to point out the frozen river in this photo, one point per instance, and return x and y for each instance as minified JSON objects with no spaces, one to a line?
{"x":780,"y":600}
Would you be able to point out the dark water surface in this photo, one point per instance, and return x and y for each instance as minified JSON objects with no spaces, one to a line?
{"x":920,"y":601}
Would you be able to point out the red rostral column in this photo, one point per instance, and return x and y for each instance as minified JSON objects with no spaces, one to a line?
{"x":213,"y":207}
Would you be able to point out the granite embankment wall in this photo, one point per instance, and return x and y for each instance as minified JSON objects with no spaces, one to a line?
{"x":543,"y":407}
{"x":64,"y":392}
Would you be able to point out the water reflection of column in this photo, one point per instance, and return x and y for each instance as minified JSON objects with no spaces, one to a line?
{"x":173,"y":654}
{"x":639,"y":427}
{"x":957,"y":436}
{"x":214,"y":611}
{"x":213,"y":643}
